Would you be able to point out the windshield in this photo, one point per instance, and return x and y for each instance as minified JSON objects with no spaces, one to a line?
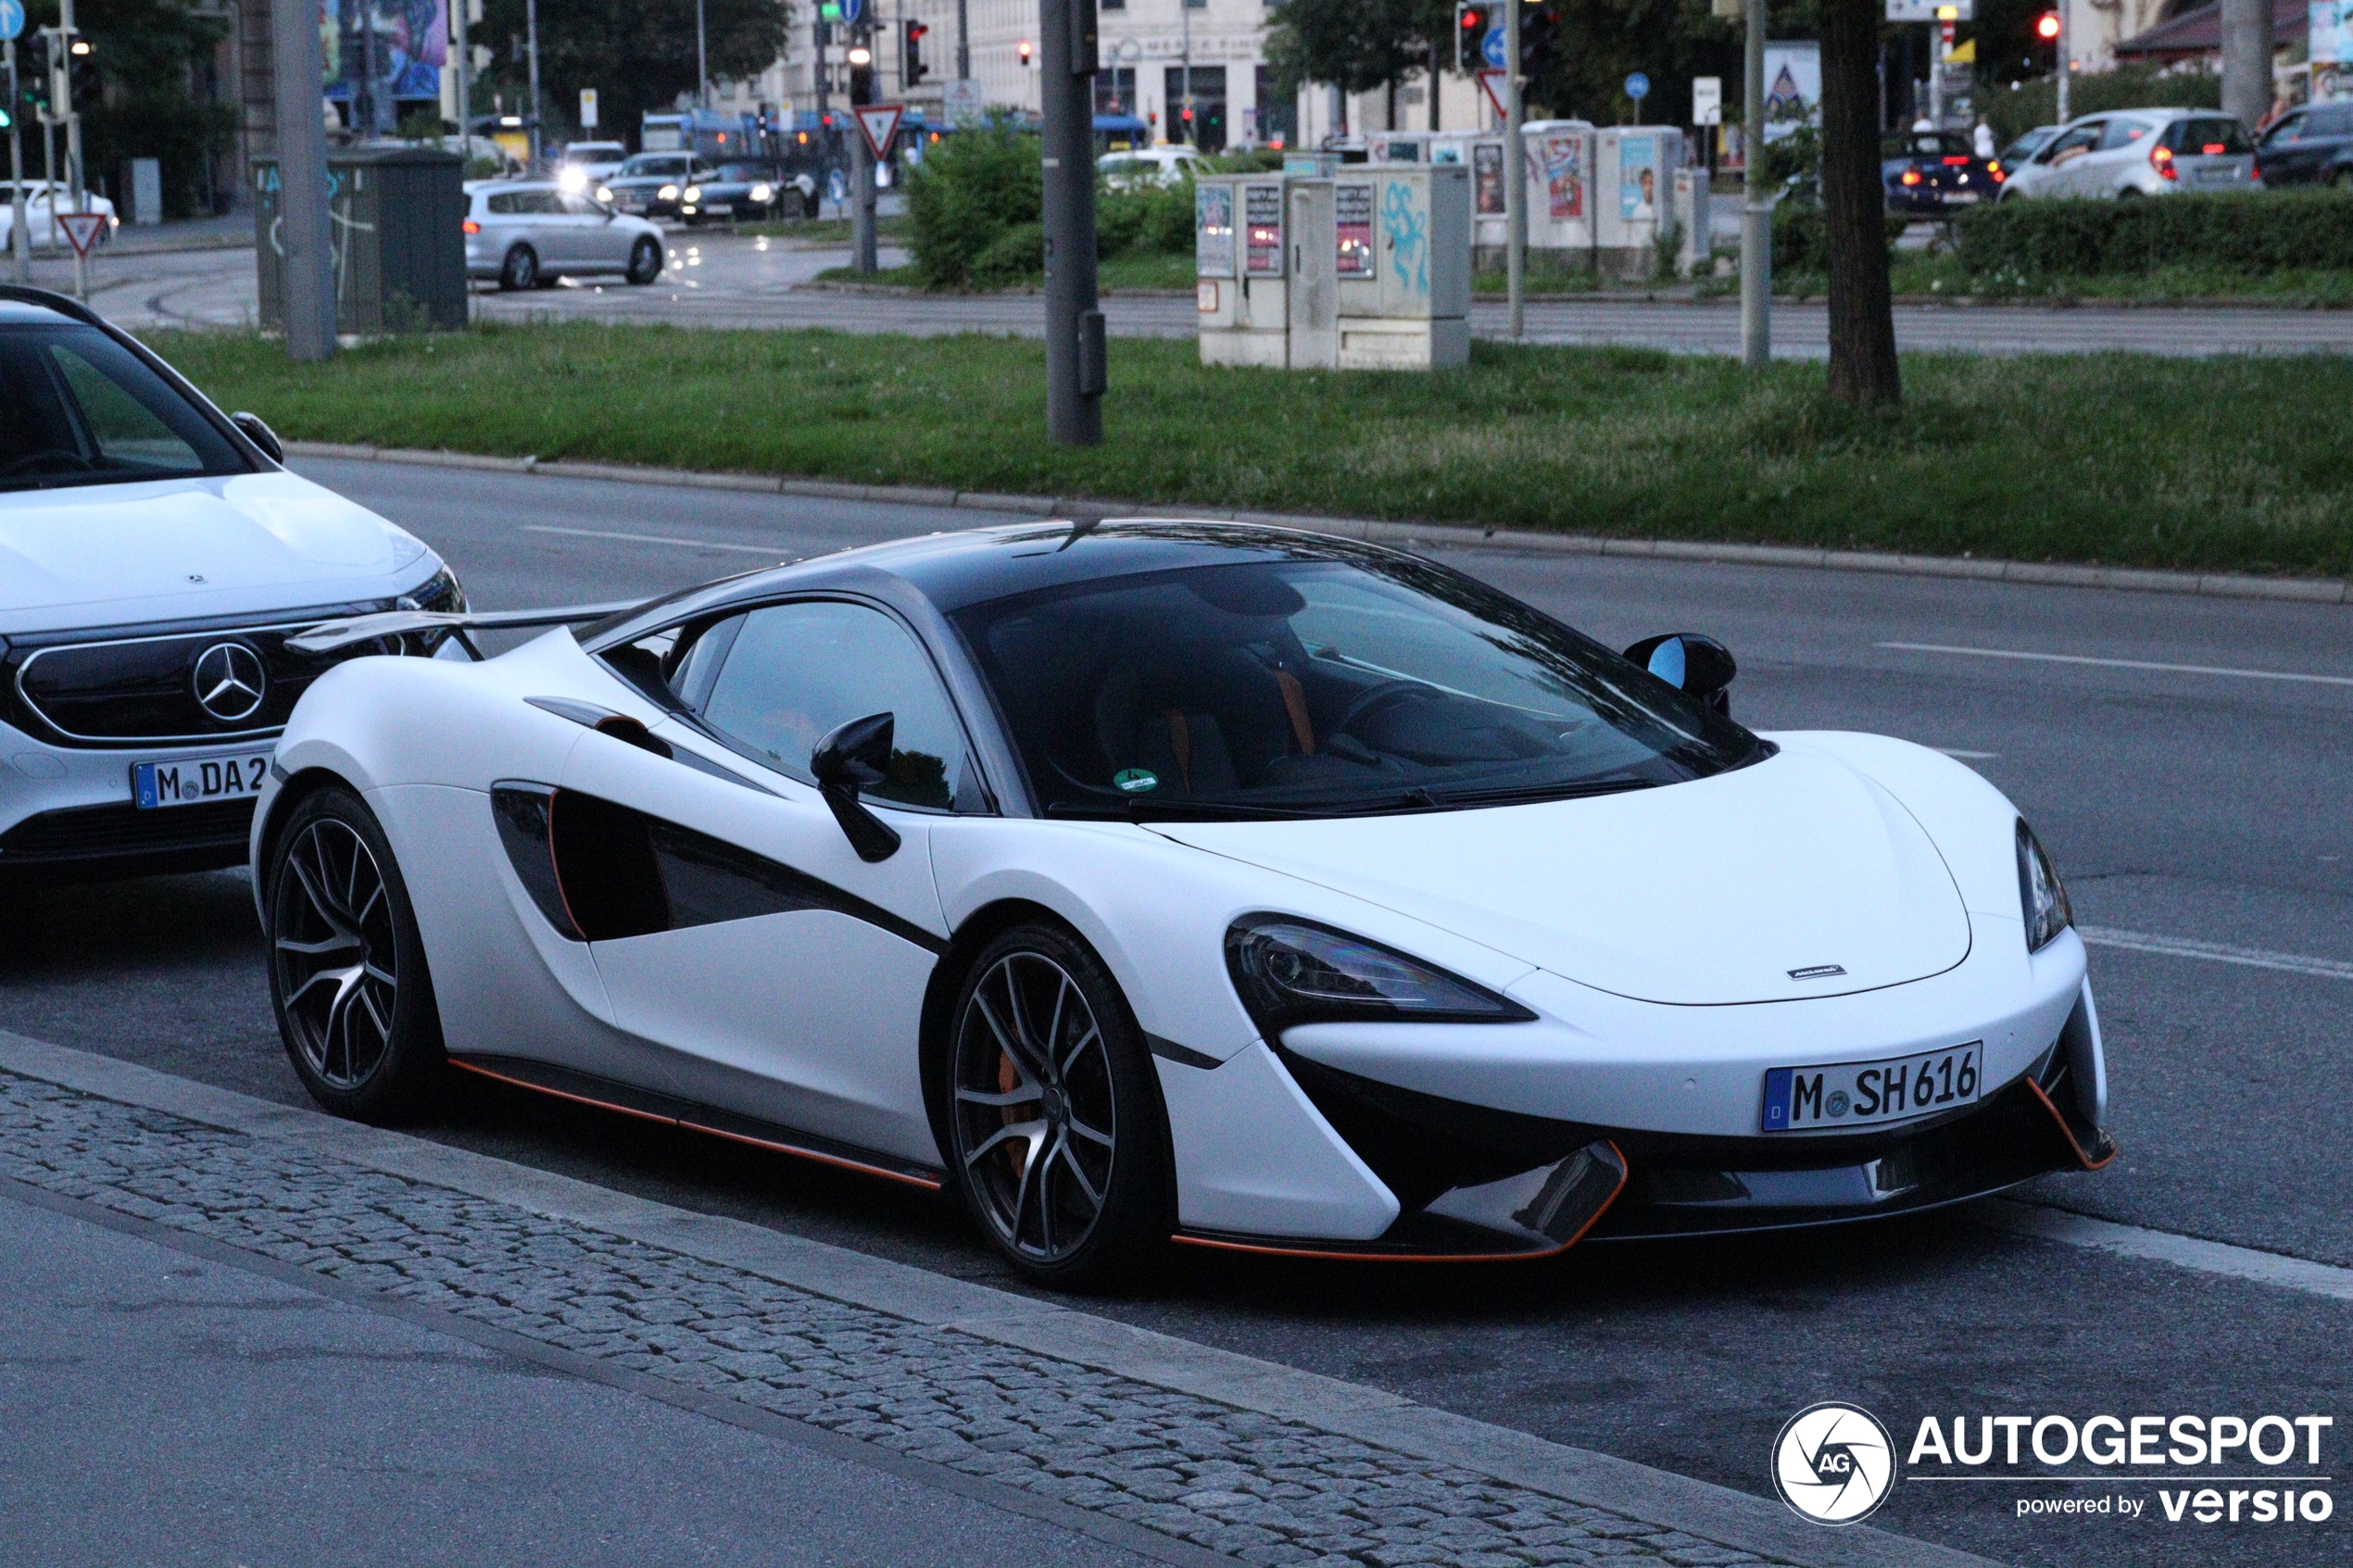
{"x":592,"y":152}
{"x":743,"y":172}
{"x":77,"y":408}
{"x":1927,"y":145}
{"x":645,"y":166}
{"x":1321,"y":686}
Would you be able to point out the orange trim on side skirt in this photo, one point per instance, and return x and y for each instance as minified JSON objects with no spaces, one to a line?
{"x":1334,"y":1255}
{"x":2069,"y":1133}
{"x":926,"y":1183}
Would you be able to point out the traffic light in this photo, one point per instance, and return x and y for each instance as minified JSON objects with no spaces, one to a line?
{"x":1027,"y":57}
{"x":862,"y":74}
{"x":2046,"y":27}
{"x":1538,"y":24}
{"x":1471,"y":22}
{"x":912,"y":56}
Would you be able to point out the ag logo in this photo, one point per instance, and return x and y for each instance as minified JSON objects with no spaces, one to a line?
{"x":1834,"y":1463}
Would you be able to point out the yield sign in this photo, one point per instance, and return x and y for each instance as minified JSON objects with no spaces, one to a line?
{"x":880,"y":122}
{"x":1493,"y":83}
{"x":83,"y":230}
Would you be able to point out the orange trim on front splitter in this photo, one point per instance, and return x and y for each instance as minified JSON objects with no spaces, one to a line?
{"x":795,"y":1149}
{"x":1275,"y":1249}
{"x":2067,"y":1133}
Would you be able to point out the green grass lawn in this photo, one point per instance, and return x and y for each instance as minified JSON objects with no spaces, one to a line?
{"x":2113,"y":458}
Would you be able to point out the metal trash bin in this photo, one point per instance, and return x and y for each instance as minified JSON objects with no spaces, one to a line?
{"x":395,"y":218}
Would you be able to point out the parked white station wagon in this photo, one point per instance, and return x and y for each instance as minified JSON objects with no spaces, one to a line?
{"x":527,"y":234}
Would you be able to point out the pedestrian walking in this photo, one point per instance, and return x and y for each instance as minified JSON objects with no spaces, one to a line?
{"x":1982,"y":139}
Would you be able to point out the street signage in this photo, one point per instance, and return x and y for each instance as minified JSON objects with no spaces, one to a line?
{"x":1490,"y":49}
{"x":83,"y":230}
{"x":587,"y":108}
{"x":963,"y":100}
{"x":1637,"y":86}
{"x":1707,"y":100}
{"x":11,"y":17}
{"x":880,"y":122}
{"x":1931,"y":11}
{"x":1496,"y":85}
{"x":852,"y":9}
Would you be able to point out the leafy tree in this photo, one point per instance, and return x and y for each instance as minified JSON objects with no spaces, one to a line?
{"x":151,"y":55}
{"x":638,"y":55}
{"x":1363,"y":45}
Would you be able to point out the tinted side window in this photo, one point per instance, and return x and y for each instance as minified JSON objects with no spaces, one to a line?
{"x":503,"y":203}
{"x":797,"y":670}
{"x":2122,"y":134}
{"x":2210,"y":137}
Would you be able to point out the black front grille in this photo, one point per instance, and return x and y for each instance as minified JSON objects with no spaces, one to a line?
{"x":114,"y":692}
{"x":99,"y":833}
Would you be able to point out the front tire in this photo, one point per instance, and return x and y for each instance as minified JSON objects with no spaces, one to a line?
{"x":347,"y":977}
{"x":519,"y":270}
{"x":645,"y":261}
{"x":1059,"y":1142}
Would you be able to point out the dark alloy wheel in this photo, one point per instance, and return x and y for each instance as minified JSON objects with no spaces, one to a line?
{"x":521,"y":270}
{"x":1060,"y":1139}
{"x":645,"y":261}
{"x":346,"y":965}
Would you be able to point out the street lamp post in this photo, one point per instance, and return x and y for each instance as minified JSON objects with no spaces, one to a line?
{"x":1756,"y":211}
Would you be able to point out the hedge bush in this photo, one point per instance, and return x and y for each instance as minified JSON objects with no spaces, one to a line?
{"x":1801,"y":239}
{"x":2248,"y":233}
{"x":969,"y":203}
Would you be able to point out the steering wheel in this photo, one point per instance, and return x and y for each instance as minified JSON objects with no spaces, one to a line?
{"x":45,"y":455}
{"x":1377,"y":696}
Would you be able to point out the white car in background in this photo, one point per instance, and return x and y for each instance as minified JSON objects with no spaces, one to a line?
{"x":1150,"y":166}
{"x":2127,"y":154}
{"x":43,"y":201}
{"x":587,"y":165}
{"x":527,"y":234}
{"x":1175,"y":881}
{"x":154,"y":556}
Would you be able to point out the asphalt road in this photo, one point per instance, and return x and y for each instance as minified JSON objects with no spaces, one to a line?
{"x":718,"y":280}
{"x":2185,"y":806}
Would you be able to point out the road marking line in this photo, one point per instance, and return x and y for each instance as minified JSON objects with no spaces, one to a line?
{"x":2164,"y":1247}
{"x":769,"y":550}
{"x":2216,"y":952}
{"x":2124,"y":663}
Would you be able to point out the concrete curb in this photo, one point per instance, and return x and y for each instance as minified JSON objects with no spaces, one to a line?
{"x":1658,"y":1496}
{"x":2299,"y":590}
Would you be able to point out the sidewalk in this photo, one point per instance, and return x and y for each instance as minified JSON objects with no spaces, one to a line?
{"x":1143,"y":1442}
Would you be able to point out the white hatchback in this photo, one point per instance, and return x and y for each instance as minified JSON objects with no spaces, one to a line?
{"x":157,"y":557}
{"x":527,"y":234}
{"x":44,"y":202}
{"x":2132,"y":152}
{"x":1150,"y":166}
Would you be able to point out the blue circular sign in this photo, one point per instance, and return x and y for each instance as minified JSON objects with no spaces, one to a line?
{"x":11,"y":17}
{"x":1491,"y":48}
{"x":1637,"y":86}
{"x":852,"y":9}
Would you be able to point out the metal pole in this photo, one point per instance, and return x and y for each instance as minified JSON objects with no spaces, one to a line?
{"x":1185,"y":14}
{"x":702,"y":61}
{"x":2063,"y":62}
{"x":20,"y":242}
{"x":1515,"y":179}
{"x":1756,"y":209}
{"x":1076,"y":366}
{"x":73,"y":154}
{"x":963,"y":43}
{"x":861,"y":156}
{"x":531,"y":23}
{"x":307,"y":270}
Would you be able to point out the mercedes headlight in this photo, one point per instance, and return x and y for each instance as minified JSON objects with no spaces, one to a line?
{"x":1291,"y":971}
{"x":2042,"y":896}
{"x":442,"y":592}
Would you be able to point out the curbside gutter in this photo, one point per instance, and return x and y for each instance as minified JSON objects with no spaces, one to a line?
{"x":1719,"y":1514}
{"x":1440,"y":535}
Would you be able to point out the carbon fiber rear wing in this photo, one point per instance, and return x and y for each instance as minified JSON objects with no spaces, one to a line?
{"x":329,"y":636}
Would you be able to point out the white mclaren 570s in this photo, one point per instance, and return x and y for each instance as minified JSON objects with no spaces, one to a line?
{"x":1168,"y":882}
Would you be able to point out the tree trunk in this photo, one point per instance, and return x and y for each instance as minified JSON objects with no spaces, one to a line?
{"x":1863,"y":365}
{"x":2246,"y":60}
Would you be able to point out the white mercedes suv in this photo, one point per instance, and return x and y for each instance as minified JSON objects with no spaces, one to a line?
{"x":154,"y":556}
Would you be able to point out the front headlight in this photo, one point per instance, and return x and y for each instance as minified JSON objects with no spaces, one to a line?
{"x":1289,"y":972}
{"x":442,"y":592}
{"x":668,"y":193}
{"x":694,"y":193}
{"x":604,"y":194}
{"x":2042,"y":896}
{"x":762,"y":194}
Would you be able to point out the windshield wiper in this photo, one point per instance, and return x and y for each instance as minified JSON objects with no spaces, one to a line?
{"x":1135,"y":810}
{"x":1545,"y":791}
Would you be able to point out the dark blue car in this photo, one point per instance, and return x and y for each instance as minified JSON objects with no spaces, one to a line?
{"x":1934,"y":174}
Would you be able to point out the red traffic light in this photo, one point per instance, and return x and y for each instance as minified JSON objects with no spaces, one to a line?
{"x":917,"y":30}
{"x":1025,"y":51}
{"x":2046,"y":27}
{"x":1473,"y":18}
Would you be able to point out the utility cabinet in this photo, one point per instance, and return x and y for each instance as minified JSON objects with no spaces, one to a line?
{"x":1402,"y":255}
{"x":395,"y":222}
{"x":1242,"y":265}
{"x":1635,"y":170}
{"x":1560,"y":190}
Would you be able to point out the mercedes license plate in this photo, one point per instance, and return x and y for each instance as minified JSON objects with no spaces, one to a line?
{"x":193,"y":782}
{"x":1862,"y":1094}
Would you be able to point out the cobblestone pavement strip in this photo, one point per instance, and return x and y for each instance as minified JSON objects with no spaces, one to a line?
{"x":1235,"y":1482}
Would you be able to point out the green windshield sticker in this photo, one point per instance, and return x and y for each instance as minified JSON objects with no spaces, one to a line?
{"x":1134,"y":780}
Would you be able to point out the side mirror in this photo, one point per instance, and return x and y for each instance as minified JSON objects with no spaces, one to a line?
{"x":1697,"y":665}
{"x":857,"y":756}
{"x":261,"y":435}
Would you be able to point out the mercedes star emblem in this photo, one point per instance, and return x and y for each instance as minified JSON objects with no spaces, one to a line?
{"x":229,"y":681}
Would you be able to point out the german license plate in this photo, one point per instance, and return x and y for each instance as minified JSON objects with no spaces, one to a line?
{"x":158,"y":785}
{"x":1959,"y":198}
{"x":1863,"y":1094}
